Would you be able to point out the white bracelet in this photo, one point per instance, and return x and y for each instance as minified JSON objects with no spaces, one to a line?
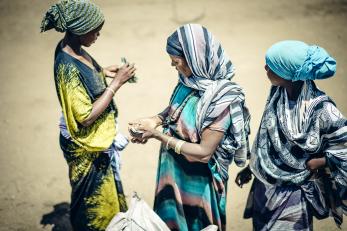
{"x":113,"y":92}
{"x":178,"y":146}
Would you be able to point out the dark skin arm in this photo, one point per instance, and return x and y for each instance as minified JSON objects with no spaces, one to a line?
{"x":243,"y":177}
{"x":123,"y":74}
{"x":315,"y":164}
{"x":150,"y":122}
{"x":201,"y":152}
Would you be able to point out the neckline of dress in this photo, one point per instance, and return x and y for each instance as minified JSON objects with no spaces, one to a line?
{"x":92,"y":67}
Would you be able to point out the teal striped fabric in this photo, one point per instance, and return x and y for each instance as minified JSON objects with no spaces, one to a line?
{"x":188,"y":197}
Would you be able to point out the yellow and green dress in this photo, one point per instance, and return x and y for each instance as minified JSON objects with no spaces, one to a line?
{"x":92,"y":153}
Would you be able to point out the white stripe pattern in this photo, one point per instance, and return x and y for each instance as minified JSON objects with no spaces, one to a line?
{"x":212,"y":71}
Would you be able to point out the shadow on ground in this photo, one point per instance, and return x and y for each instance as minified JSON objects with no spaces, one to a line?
{"x":59,"y":217}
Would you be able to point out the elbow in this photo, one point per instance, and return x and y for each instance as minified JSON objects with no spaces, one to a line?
{"x":202,"y":158}
{"x":86,"y":123}
{"x":205,"y":160}
{"x":206,"y":157}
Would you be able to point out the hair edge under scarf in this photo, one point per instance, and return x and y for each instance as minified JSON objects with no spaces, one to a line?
{"x":295,"y":60}
{"x":76,"y":16}
{"x":173,"y":46}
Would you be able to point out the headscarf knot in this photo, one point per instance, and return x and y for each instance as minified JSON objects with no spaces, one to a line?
{"x":295,"y":60}
{"x":76,"y":16}
{"x":318,"y":65}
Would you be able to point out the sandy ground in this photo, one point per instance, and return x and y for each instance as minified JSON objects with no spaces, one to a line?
{"x":33,"y":172}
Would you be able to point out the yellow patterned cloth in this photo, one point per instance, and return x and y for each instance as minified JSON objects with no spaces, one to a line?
{"x":77,"y":105}
{"x":97,"y":193}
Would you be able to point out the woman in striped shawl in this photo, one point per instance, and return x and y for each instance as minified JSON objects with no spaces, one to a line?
{"x":206,"y":126}
{"x":299,"y":157}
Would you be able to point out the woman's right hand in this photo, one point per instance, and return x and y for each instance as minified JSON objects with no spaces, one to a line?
{"x":124,"y":73}
{"x":243,"y":177}
{"x":149,"y":122}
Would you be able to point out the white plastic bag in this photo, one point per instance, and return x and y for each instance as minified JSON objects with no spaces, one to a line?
{"x":210,"y":228}
{"x":139,"y":217}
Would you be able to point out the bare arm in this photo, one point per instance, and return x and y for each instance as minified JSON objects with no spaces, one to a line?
{"x":99,"y":106}
{"x":201,"y":152}
{"x":316,"y":163}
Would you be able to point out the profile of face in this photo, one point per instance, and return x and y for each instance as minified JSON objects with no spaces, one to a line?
{"x":88,"y":39}
{"x":275,"y":79}
{"x":181,"y":65}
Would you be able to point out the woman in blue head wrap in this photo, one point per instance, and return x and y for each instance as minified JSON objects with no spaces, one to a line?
{"x":206,"y":126}
{"x":88,"y":128}
{"x":299,"y":156}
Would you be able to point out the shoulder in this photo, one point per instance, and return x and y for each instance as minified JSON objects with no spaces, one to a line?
{"x":66,"y":71}
{"x":227,"y":89}
{"x":330,"y":116}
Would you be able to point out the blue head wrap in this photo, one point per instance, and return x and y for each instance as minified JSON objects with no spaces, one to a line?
{"x":173,"y":45}
{"x":295,"y":60}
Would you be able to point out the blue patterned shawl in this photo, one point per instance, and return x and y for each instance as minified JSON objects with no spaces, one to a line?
{"x":289,"y":137}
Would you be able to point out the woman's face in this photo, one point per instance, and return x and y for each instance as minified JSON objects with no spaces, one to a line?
{"x":181,"y":65}
{"x":88,"y":39}
{"x":275,"y":79}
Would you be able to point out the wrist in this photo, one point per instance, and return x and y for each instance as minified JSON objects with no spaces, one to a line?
{"x":156,"y":134}
{"x":158,"y":120}
{"x":115,"y":84}
{"x":322,"y":162}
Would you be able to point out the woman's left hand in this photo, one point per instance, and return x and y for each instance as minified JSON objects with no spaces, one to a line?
{"x":315,"y":164}
{"x":110,"y":71}
{"x":243,"y":177}
{"x":146,"y":127}
{"x":148,"y":131}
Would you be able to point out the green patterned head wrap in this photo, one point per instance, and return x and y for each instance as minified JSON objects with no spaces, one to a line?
{"x":76,"y":16}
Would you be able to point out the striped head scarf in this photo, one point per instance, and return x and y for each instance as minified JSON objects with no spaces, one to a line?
{"x":295,"y":60}
{"x":211,"y":73}
{"x":76,"y":16}
{"x":205,"y":56}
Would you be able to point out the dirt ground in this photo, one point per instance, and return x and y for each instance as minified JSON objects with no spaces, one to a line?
{"x":33,"y":172}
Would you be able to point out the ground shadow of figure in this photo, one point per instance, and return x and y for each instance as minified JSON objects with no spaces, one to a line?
{"x":59,"y":217}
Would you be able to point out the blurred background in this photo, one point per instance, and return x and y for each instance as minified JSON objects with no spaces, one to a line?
{"x":34,"y":186}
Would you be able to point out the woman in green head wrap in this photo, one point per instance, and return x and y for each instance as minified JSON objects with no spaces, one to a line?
{"x":299,"y":156}
{"x":88,"y":128}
